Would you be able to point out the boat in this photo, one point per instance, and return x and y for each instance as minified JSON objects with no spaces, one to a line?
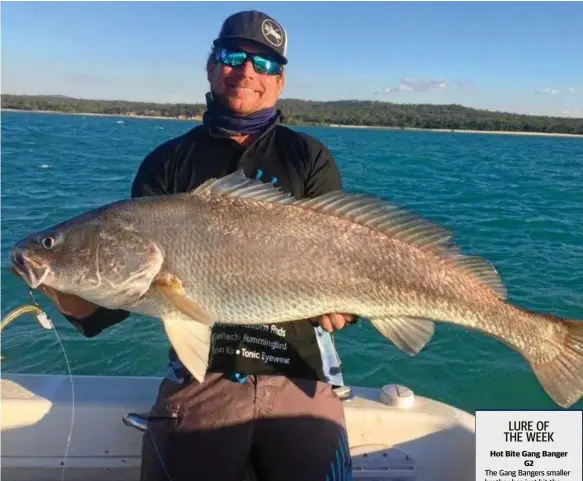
{"x":394,"y":434}
{"x":58,"y":427}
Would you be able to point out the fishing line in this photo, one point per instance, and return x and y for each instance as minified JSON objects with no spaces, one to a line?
{"x":45,"y":322}
{"x":158,"y":453}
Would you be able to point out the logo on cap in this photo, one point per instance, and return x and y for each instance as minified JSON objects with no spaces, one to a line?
{"x":272,"y":32}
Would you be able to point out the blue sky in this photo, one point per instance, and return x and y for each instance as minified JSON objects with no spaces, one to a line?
{"x":521,"y":57}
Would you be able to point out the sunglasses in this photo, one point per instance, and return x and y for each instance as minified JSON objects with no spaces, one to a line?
{"x":261,"y":64}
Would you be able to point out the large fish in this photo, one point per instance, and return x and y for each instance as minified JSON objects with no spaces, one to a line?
{"x":239,"y":251}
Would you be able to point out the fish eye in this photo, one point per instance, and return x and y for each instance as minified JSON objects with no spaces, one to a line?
{"x":48,"y":242}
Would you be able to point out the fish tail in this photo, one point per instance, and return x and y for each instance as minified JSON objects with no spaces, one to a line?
{"x":562,"y":376}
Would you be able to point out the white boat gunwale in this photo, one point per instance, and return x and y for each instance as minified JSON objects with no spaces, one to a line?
{"x":417,"y":439}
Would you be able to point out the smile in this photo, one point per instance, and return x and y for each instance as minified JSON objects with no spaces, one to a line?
{"x":243,"y":89}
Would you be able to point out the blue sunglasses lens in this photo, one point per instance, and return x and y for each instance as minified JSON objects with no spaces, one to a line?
{"x":233,"y":59}
{"x":266,"y":65}
{"x":262,"y":65}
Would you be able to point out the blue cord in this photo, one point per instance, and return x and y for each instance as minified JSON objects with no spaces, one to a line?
{"x":239,"y":377}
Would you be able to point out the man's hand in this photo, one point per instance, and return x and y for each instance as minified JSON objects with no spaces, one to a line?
{"x":67,"y":303}
{"x":333,"y":322}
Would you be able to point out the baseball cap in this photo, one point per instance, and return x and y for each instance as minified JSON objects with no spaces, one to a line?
{"x":256,"y":27}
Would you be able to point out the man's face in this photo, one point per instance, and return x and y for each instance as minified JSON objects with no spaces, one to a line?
{"x":242,"y":89}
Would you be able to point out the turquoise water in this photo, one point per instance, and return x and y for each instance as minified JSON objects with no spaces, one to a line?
{"x":516,"y":200}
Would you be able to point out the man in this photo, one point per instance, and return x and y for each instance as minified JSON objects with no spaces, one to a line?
{"x":268,"y":395}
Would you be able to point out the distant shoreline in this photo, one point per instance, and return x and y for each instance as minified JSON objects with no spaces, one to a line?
{"x":95,"y":114}
{"x":457,"y":131}
{"x":367,"y":127}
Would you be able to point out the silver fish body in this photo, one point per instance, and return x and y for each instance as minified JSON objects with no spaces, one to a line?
{"x":237,"y":251}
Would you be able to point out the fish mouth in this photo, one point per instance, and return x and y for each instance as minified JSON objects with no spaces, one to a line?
{"x":31,"y":270}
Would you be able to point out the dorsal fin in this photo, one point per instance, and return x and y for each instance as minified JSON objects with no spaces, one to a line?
{"x":368,"y":211}
{"x":238,"y":184}
{"x":382,"y":216}
{"x":358,"y":208}
{"x":482,"y":270}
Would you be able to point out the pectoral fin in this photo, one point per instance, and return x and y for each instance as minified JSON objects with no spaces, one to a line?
{"x":188,"y":327}
{"x":171,"y":288}
{"x":191,"y":341}
{"x":409,"y":334}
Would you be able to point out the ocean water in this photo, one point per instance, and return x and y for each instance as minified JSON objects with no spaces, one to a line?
{"x":516,"y":200}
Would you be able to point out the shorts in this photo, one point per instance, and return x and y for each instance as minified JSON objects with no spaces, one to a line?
{"x":286,"y":429}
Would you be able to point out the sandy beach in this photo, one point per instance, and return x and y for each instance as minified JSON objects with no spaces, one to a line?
{"x":93,"y":114}
{"x":458,"y":131}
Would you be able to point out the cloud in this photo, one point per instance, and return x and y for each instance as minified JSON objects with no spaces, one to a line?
{"x":546,"y":91}
{"x":553,"y":91}
{"x":408,"y":85}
